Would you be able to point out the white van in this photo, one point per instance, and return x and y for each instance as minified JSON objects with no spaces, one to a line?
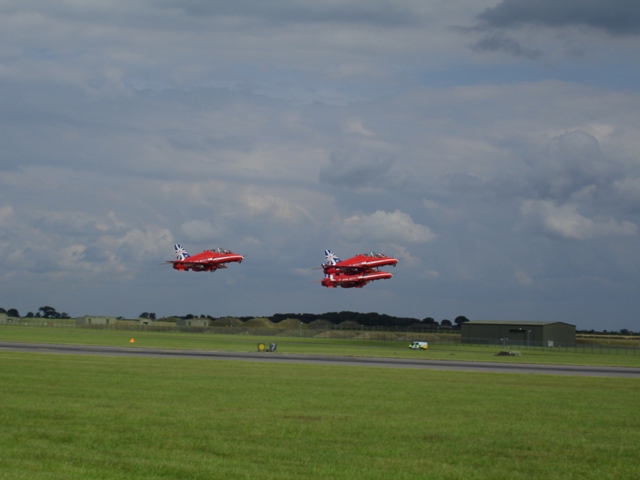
{"x":419,"y":345}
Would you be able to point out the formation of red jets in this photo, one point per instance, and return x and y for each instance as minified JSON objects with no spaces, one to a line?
{"x":355,"y":272}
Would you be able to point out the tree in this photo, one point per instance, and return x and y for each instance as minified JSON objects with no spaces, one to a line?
{"x":12,"y":312}
{"x":144,"y":315}
{"x":49,"y":312}
{"x":429,"y":320}
{"x":445,"y":323}
{"x":460,"y":320}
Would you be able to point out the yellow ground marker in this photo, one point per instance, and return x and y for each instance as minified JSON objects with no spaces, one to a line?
{"x":133,"y":340}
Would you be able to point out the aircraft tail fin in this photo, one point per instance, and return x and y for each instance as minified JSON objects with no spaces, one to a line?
{"x":181,"y":253}
{"x":331,"y":258}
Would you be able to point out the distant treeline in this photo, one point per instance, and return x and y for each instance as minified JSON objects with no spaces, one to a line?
{"x":371,"y":319}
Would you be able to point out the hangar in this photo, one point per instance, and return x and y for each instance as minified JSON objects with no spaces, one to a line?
{"x":505,"y":332}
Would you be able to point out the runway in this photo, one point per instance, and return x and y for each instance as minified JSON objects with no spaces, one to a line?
{"x":491,"y":367}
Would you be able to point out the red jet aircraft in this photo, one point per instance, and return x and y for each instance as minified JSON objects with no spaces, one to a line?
{"x":356,"y":271}
{"x":207,"y":261}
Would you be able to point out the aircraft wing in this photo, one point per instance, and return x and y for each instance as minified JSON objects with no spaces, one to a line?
{"x":210,"y":263}
{"x":195,"y":266}
{"x":349,"y":269}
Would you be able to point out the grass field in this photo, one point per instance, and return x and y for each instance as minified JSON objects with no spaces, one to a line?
{"x":321,"y":346}
{"x":79,"y":417}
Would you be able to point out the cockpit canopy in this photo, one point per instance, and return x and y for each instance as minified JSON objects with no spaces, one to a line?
{"x":219,"y":250}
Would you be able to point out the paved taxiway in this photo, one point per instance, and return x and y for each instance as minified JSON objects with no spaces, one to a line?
{"x":327,"y":360}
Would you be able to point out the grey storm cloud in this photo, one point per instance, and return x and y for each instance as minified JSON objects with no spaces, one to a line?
{"x":377,"y":12}
{"x":567,"y":223}
{"x":498,"y":42}
{"x":571,"y":162}
{"x":198,"y":230}
{"x":617,"y":17}
{"x":357,"y":168}
{"x":570,"y":192}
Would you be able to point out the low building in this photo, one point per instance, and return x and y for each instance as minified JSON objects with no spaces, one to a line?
{"x":507,"y":333}
{"x":95,"y":320}
{"x":193,"y":322}
{"x":6,"y":319}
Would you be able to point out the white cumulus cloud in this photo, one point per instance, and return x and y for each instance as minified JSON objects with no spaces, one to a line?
{"x":386,"y":226}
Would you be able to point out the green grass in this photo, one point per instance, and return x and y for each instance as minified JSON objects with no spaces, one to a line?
{"x":321,"y":346}
{"x":79,"y":417}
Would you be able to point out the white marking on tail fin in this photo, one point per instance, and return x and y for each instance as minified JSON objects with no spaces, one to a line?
{"x":181,"y":253}
{"x":331,"y":258}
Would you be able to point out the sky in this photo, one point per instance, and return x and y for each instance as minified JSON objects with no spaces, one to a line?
{"x":491,"y":146}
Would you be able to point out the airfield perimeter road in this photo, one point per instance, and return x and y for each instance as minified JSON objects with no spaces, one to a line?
{"x":593,"y":371}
